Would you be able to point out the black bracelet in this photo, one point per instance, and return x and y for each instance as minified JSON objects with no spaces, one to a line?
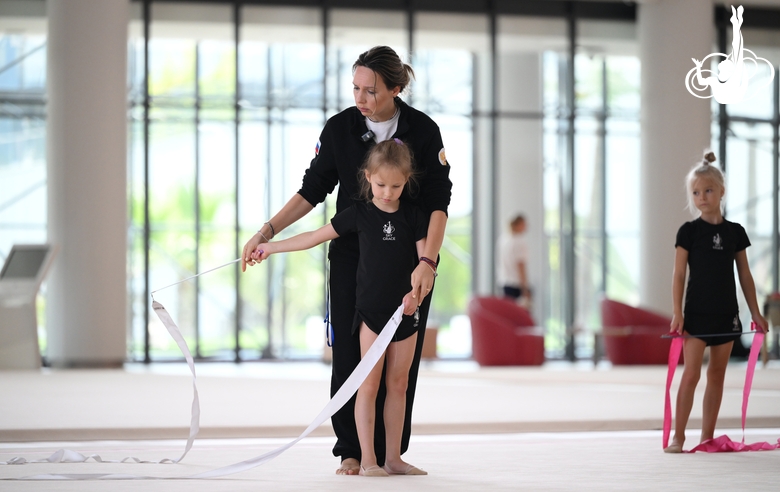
{"x":270,"y":226}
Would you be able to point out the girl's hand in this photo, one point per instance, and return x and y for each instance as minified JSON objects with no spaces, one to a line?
{"x":676,"y":325}
{"x":422,"y":282}
{"x":761,"y":323}
{"x":410,"y":304}
{"x":251,"y":246}
{"x":262,"y":252}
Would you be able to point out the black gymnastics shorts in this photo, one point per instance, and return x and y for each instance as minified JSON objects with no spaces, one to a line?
{"x":727,"y":325}
{"x":377,"y":320}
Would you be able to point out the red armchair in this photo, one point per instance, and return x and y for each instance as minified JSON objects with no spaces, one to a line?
{"x":633,"y":335}
{"x":504,"y":334}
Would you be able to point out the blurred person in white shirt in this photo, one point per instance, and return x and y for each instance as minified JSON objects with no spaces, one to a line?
{"x":511,"y":258}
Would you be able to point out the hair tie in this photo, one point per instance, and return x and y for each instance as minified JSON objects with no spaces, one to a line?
{"x":398,"y":141}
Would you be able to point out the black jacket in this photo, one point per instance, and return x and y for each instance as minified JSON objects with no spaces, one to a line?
{"x":341,"y":152}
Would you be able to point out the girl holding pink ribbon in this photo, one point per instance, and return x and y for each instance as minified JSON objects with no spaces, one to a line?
{"x":708,"y":246}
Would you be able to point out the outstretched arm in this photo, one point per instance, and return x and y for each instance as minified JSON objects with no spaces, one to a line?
{"x":749,"y":289}
{"x":305,"y":240}
{"x":293,"y":210}
{"x":678,"y":285}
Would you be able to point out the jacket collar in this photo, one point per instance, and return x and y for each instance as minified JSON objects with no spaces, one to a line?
{"x":403,"y":118}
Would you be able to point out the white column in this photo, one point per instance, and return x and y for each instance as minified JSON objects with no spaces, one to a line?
{"x":675,"y":132}
{"x":86,"y":156}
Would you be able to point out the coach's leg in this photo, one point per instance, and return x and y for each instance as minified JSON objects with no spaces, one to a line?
{"x":425,"y":308}
{"x":346,"y":356}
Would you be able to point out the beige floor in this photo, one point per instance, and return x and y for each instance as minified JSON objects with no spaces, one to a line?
{"x":559,"y":427}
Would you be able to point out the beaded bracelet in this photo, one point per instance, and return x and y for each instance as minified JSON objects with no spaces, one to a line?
{"x":435,"y":274}
{"x":260,"y":231}
{"x":270,"y":226}
{"x":431,"y":264}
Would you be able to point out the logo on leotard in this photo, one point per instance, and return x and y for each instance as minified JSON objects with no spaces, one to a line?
{"x":716,"y":242}
{"x":388,"y":229}
{"x":736,"y":324}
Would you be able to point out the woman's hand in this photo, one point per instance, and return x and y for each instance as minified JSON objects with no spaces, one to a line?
{"x":677,"y":324}
{"x":761,"y":322}
{"x":250,"y":254}
{"x":410,"y":304}
{"x":422,"y":282}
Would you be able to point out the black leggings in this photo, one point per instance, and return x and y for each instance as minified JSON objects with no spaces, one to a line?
{"x":346,"y":356}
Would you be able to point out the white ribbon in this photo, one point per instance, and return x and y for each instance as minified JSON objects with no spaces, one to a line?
{"x":70,"y":456}
{"x":344,"y":393}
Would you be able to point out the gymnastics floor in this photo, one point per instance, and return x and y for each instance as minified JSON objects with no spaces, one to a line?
{"x":561,"y":426}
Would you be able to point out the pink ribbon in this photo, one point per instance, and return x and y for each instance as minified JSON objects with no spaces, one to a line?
{"x":723,"y":443}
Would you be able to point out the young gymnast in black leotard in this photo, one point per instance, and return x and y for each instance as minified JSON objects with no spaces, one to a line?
{"x":709,"y":246}
{"x":391,"y":236}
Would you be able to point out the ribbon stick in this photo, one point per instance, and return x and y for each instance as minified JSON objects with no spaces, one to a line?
{"x":708,"y":335}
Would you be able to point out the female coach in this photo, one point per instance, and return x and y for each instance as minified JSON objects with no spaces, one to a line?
{"x":379,"y":114}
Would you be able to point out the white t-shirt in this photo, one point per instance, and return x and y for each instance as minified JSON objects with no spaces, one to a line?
{"x":510,"y":250}
{"x":383,"y":130}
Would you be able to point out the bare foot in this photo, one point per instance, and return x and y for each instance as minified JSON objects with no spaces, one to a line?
{"x":350,"y":466}
{"x":673,"y":448}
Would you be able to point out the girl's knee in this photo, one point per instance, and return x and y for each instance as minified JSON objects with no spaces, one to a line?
{"x":397,"y":385}
{"x":716,"y":378}
{"x":369,"y":389}
{"x":691,"y":375}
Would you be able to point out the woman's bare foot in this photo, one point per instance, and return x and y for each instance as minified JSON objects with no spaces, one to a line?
{"x":349,"y":466}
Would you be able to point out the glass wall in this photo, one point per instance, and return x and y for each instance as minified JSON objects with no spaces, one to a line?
{"x":224,"y":123}
{"x":532,"y":122}
{"x":591,"y":180}
{"x":448,"y":49}
{"x":235,"y":111}
{"x":606,"y":171}
{"x":188,"y":183}
{"x":22,"y":133}
{"x":281,"y":67}
{"x":23,"y":198}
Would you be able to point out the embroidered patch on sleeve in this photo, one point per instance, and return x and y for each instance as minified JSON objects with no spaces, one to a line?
{"x":317,"y":148}
{"x":443,"y":158}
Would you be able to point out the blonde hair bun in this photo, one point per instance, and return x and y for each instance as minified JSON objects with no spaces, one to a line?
{"x":709,"y":157}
